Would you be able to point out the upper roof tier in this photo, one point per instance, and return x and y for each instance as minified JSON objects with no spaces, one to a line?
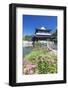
{"x":42,"y":29}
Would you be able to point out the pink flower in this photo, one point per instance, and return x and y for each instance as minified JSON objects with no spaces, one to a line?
{"x":31,"y":72}
{"x":29,"y":68}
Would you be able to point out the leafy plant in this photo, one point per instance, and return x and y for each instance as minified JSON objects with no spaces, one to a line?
{"x":42,"y":67}
{"x":27,"y":38}
{"x":53,"y":37}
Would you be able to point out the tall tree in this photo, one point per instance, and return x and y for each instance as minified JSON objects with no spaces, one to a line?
{"x":54,"y":36}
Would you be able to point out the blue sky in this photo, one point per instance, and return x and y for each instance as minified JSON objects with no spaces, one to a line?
{"x":30,"y":22}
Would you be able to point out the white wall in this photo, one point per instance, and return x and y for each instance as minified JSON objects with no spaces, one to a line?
{"x":4,"y":37}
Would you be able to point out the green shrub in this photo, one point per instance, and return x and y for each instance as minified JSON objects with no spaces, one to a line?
{"x":52,"y":68}
{"x":42,"y":67}
{"x":37,"y":44}
{"x":46,"y":65}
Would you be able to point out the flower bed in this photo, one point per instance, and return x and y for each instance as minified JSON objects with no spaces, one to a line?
{"x":40,"y":61}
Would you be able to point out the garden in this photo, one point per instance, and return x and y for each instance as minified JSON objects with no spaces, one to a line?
{"x":40,"y":60}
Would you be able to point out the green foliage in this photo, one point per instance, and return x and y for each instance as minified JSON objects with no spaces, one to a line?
{"x":47,"y":63}
{"x":27,"y":38}
{"x":42,"y":67}
{"x":53,"y":37}
{"x":45,"y":60}
{"x":52,"y":68}
{"x":37,"y":44}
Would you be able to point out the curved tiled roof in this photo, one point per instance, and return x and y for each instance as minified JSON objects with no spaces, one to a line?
{"x":43,"y":28}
